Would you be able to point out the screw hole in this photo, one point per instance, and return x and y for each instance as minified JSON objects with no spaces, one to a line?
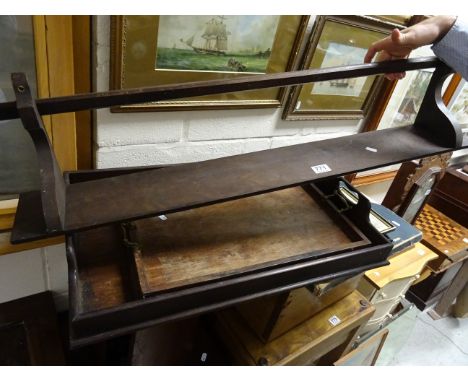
{"x":262,"y":361}
{"x":21,"y":89}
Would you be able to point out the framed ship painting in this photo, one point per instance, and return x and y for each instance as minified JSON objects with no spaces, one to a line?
{"x":337,"y":41}
{"x":159,"y":50}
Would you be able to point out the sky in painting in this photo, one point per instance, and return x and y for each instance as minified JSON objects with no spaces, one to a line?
{"x":246,"y":33}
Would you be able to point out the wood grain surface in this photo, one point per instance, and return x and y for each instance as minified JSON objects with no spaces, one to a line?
{"x":223,"y":239}
{"x":444,"y":236}
{"x":302,"y":345}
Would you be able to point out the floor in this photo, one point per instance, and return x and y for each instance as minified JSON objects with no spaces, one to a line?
{"x":417,"y":340}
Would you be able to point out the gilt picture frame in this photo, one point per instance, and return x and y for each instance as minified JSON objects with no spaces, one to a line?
{"x":459,"y":105}
{"x":161,"y":50}
{"x":337,"y":41}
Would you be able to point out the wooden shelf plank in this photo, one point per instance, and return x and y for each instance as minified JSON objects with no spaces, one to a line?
{"x":160,"y":191}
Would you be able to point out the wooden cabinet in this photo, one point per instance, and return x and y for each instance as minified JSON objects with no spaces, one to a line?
{"x":333,"y":328}
{"x":444,"y":236}
{"x":271,"y":316}
{"x":29,"y":332}
{"x":386,"y":286}
{"x":450,"y":196}
{"x":443,"y":223}
{"x":428,"y":291}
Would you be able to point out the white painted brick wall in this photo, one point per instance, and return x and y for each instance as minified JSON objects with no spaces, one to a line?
{"x":33,"y":271}
{"x":121,"y":129}
{"x":235,"y":124}
{"x":136,"y":139}
{"x":298,"y":139}
{"x":21,"y":274}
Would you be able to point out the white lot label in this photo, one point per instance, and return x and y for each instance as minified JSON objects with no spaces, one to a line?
{"x":334,"y":320}
{"x":320,"y":168}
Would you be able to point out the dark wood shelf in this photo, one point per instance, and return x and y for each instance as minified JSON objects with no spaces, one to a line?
{"x":164,"y":190}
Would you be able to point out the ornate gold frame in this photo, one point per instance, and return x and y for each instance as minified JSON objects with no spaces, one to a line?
{"x":362,"y":24}
{"x":127,"y":73}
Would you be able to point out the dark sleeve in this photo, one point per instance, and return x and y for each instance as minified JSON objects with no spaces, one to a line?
{"x":453,"y":48}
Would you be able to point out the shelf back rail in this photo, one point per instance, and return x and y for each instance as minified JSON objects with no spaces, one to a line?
{"x":59,"y":208}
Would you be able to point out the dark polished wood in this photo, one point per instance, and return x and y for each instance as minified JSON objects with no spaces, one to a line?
{"x":29,"y":333}
{"x":162,"y":191}
{"x":303,"y":345}
{"x":272,"y":316}
{"x":407,"y":179}
{"x":86,"y":101}
{"x":52,"y":183}
{"x":103,"y":302}
{"x":450,"y":294}
{"x":198,"y":184}
{"x":429,"y":291}
{"x":14,"y":347}
{"x":450,"y":196}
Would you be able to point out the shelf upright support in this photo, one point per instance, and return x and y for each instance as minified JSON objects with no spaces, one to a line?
{"x":434,"y":121}
{"x":52,"y":184}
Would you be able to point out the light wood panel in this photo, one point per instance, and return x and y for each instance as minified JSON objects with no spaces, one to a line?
{"x":7,"y":213}
{"x":451,"y":88}
{"x":303,"y":345}
{"x":6,"y":247}
{"x":374,"y":178}
{"x":82,"y":71}
{"x":60,"y":66}
{"x":406,"y":264}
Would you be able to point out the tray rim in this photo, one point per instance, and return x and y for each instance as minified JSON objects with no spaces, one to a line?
{"x":93,"y":325}
{"x":343,"y":223}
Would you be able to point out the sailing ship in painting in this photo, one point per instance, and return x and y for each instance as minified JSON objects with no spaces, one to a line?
{"x":215,"y":36}
{"x":216,"y":43}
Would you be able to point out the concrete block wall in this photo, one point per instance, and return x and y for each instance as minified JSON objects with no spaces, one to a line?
{"x":29,"y":272}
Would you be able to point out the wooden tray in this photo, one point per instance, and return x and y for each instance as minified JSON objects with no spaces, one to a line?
{"x":127,"y":277}
{"x":224,"y":239}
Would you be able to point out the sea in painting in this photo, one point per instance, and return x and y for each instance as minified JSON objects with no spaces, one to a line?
{"x":215,"y":43}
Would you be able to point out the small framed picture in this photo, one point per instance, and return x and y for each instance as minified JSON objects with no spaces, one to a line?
{"x":338,"y":41}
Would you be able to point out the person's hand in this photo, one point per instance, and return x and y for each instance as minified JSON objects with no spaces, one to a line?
{"x":400,"y":43}
{"x":394,"y":47}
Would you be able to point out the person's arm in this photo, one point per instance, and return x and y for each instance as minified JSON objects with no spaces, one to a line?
{"x":452,"y":48}
{"x":400,"y":43}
